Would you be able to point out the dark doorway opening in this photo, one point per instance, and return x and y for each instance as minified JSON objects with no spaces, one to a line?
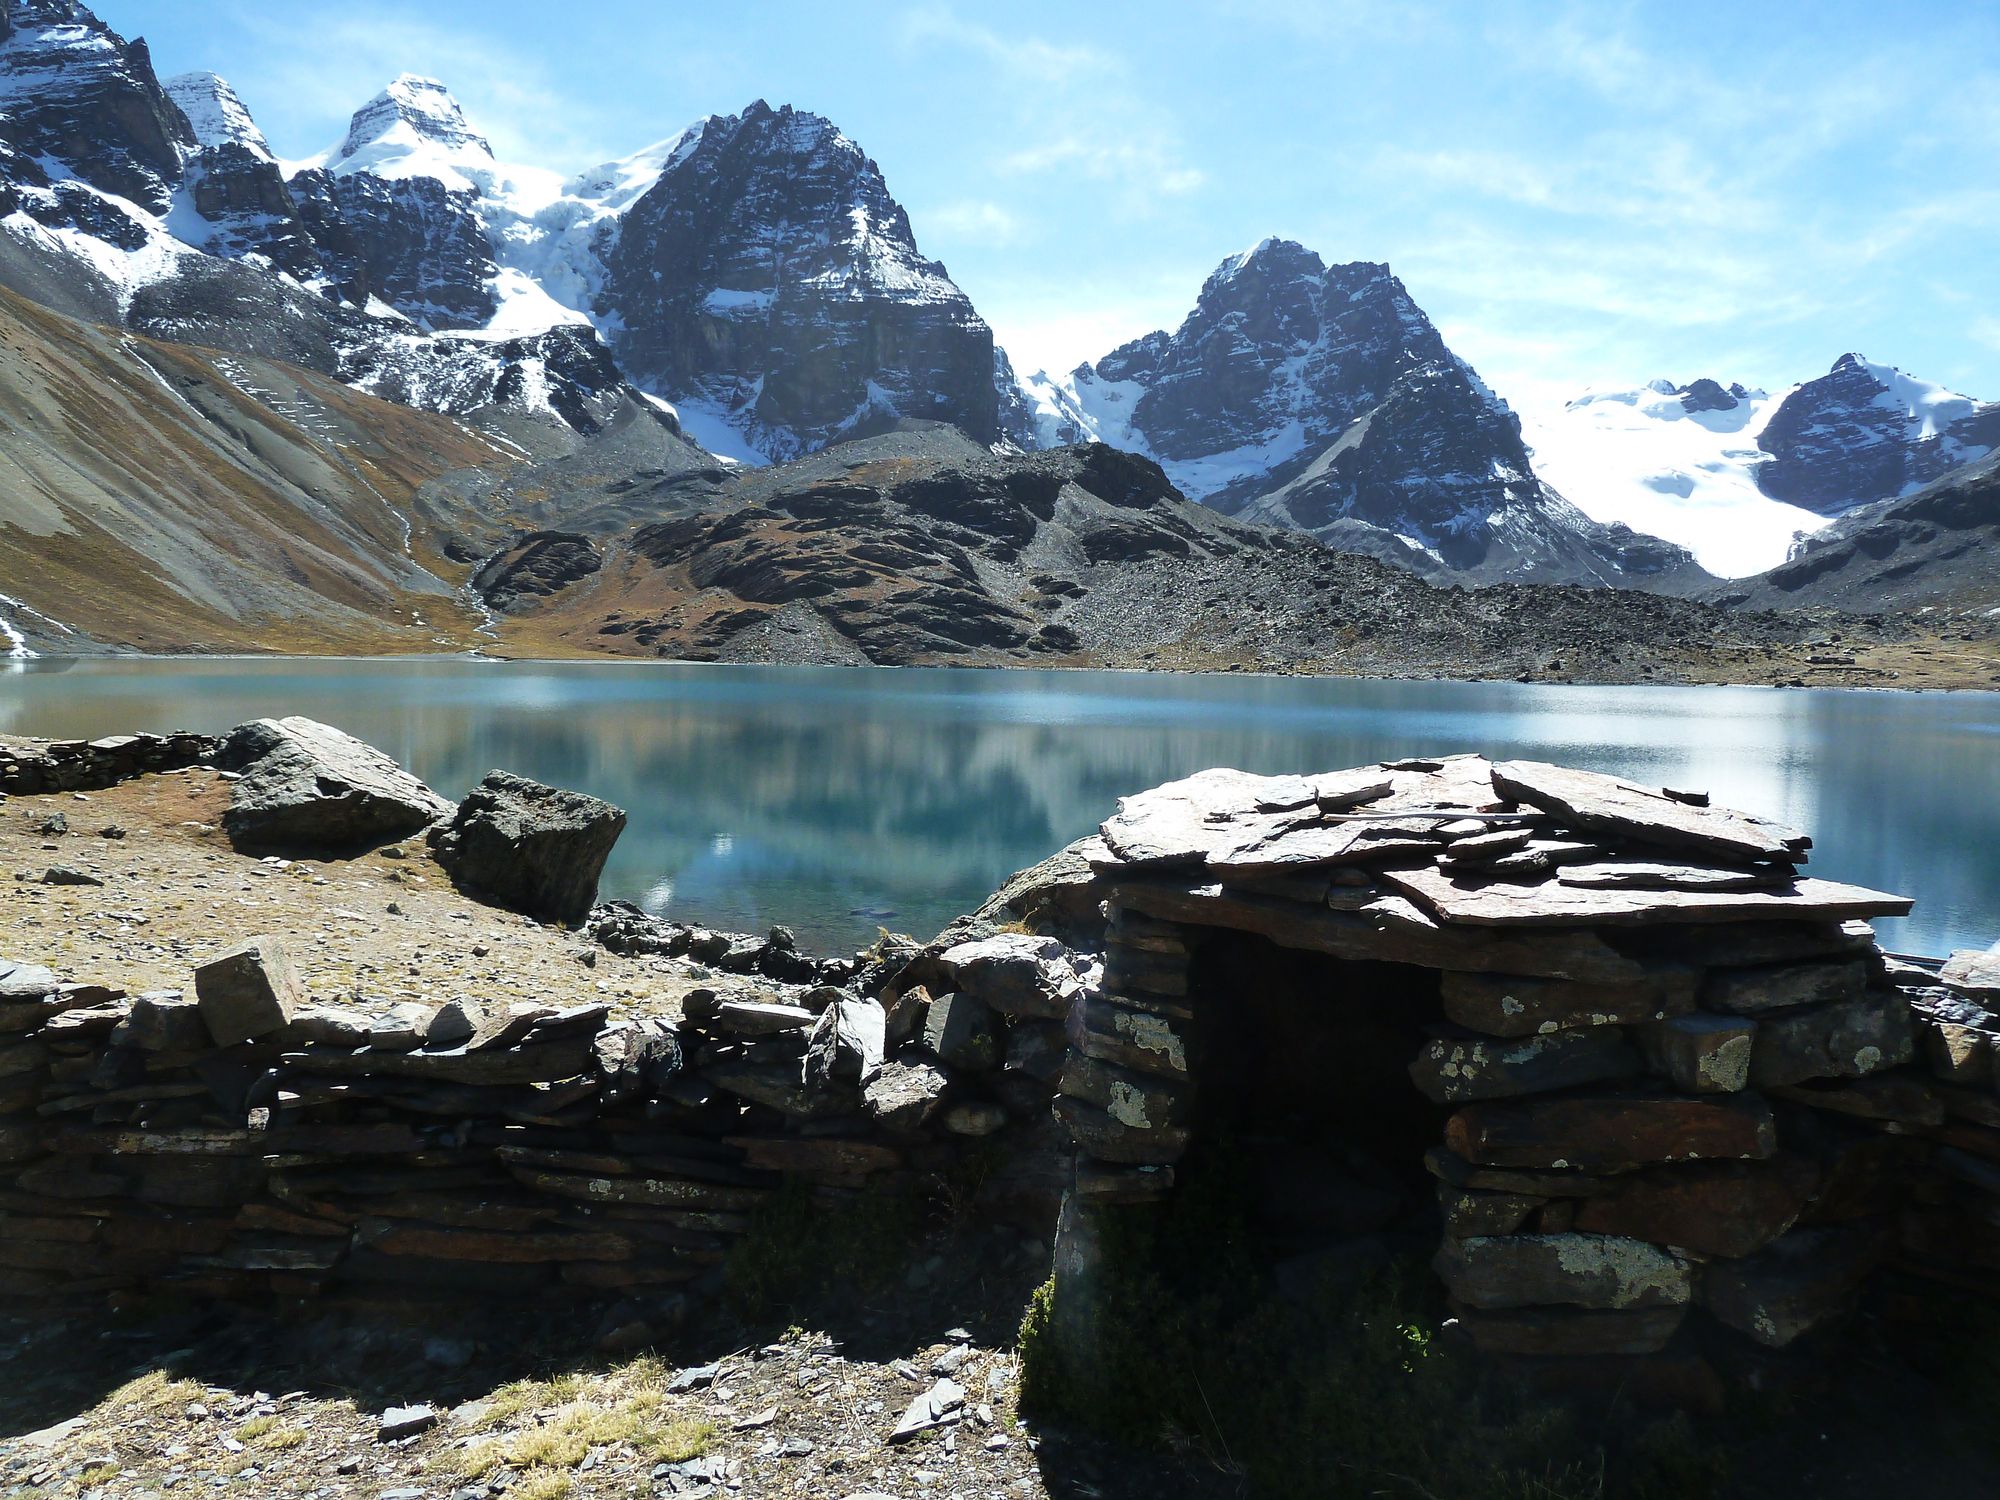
{"x":1302,"y":1071}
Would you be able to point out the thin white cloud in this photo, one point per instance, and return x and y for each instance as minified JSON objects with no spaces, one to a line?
{"x":1145,"y":168}
{"x":971,"y":219}
{"x":1080,"y":112}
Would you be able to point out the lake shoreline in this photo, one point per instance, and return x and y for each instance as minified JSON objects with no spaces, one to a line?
{"x":1983,"y":678}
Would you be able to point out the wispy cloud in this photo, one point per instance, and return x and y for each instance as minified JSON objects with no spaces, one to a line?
{"x":1079,"y":110}
{"x":1143,"y":167}
{"x":972,"y":219}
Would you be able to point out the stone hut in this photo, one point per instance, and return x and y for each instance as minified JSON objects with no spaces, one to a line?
{"x":1666,"y":1089}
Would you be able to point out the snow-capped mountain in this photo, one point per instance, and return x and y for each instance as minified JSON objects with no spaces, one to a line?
{"x":1864,"y":432}
{"x":1742,"y":477}
{"x":160,"y":207}
{"x":1322,"y":398}
{"x":769,"y":279}
{"x":752,"y":268}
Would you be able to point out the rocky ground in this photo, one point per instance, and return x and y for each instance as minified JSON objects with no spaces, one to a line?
{"x":375,"y":930}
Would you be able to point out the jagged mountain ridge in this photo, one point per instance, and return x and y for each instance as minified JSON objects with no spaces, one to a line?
{"x":160,"y":208}
{"x":1745,"y":478}
{"x":1322,"y":398}
{"x":407,"y":261}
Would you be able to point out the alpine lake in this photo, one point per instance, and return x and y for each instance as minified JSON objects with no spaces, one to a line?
{"x":837,"y":801}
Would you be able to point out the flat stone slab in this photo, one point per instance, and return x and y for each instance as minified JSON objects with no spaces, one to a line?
{"x":1481,"y":903}
{"x":1612,"y":1132}
{"x":1513,"y":1005}
{"x":1454,"y":1069}
{"x":1651,"y":875}
{"x":1728,"y":1209}
{"x":1388,"y":929}
{"x":1974,"y":975}
{"x":1574,"y":1270}
{"x":1585,"y":800}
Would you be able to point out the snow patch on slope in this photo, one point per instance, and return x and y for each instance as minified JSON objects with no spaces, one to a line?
{"x":1930,"y":410}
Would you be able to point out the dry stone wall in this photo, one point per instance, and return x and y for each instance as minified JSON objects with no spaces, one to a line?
{"x":37,"y":766}
{"x":243,"y":1143}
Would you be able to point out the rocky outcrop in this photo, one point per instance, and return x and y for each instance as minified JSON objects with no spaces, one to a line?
{"x":306,"y":785}
{"x":412,"y":242}
{"x":79,"y":94}
{"x":535,"y":566}
{"x":769,"y":276}
{"x":1930,"y":550}
{"x":920,"y":546}
{"x":529,"y":847}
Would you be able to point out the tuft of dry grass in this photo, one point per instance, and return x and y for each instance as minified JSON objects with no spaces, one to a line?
{"x":155,"y":1391}
{"x":543,"y":1484}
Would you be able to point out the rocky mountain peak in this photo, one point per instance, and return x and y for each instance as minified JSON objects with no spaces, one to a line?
{"x":771,"y":284}
{"x":215,"y":113}
{"x":1710,"y":395}
{"x":1864,"y":432}
{"x":71,"y":89}
{"x":411,"y":111}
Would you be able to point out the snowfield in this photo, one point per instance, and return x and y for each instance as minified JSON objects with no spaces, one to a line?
{"x":1640,"y":457}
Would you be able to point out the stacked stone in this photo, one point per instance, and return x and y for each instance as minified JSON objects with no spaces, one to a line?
{"x":245,"y":1143}
{"x":1125,"y":1093}
{"x":30,"y":768}
{"x":1951,"y":1230}
{"x":1679,"y":1071}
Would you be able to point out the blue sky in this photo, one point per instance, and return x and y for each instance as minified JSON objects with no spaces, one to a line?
{"x":1589,"y":194}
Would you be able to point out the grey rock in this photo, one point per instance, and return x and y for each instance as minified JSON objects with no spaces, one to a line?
{"x":248,"y":992}
{"x":962,"y":1031}
{"x":935,"y":1408}
{"x":69,"y":875}
{"x":1452,"y":1069}
{"x":1975,"y":975}
{"x":1754,"y":990}
{"x":1849,"y":1039}
{"x":847,"y":1043}
{"x":904,"y":1096}
{"x":693,"y":1378}
{"x":165,"y":1021}
{"x":406,"y":1421}
{"x":309,"y":786}
{"x":1703,"y":1054}
{"x":1580,"y":1270}
{"x":531,"y":848}
{"x":1015,"y":974}
{"x":23,"y":981}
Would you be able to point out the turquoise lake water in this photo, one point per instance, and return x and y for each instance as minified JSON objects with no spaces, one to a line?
{"x":837,"y":800}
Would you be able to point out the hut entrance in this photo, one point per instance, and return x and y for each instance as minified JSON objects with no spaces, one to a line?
{"x":1303,"y":1079}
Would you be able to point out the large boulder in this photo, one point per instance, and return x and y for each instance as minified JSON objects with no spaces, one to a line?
{"x":307,"y":786}
{"x":531,"y":848}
